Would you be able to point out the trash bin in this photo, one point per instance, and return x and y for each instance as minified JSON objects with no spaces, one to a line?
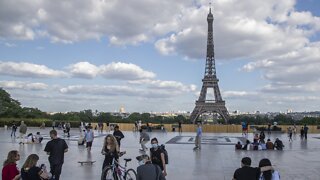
{"x":173,"y":129}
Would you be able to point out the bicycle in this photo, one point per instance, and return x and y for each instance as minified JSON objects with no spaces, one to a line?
{"x":117,"y":172}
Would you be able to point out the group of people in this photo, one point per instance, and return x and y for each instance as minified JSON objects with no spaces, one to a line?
{"x":150,"y":167}
{"x":153,"y":166}
{"x":304,"y":132}
{"x":265,"y":171}
{"x":31,"y":138}
{"x":55,"y":148}
{"x":260,"y":144}
{"x":255,"y":145}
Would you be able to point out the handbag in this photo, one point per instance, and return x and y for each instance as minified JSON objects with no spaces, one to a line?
{"x":44,"y":175}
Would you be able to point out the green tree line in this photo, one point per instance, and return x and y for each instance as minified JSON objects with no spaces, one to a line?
{"x":11,"y":110}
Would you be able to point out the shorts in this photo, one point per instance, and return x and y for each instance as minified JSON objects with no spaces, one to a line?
{"x":89,"y":144}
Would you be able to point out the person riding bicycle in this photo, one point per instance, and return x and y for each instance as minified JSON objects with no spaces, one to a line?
{"x":110,"y":149}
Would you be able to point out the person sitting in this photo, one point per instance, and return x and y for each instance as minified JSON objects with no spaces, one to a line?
{"x":30,"y":138}
{"x":263,"y":146}
{"x":278,"y":144}
{"x":245,"y":147}
{"x":268,"y":174}
{"x":10,"y":170}
{"x":269,"y":145}
{"x":81,"y":140}
{"x":238,"y":146}
{"x":262,"y":137}
{"x":255,"y":144}
{"x":38,"y":138}
{"x":30,"y":171}
{"x":256,"y":137}
{"x":246,"y":172}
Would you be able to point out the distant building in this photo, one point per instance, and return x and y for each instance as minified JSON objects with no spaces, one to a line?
{"x":122,"y":110}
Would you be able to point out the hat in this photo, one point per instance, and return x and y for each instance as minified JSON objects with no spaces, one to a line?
{"x":144,"y":156}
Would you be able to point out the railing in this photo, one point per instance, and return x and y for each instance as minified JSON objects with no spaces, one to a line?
{"x":216,"y":128}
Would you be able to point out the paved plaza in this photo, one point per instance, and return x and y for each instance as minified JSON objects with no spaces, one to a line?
{"x":217,"y":160}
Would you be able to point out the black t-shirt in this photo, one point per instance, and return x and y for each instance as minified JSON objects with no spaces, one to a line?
{"x":31,"y":174}
{"x":246,"y":173}
{"x":56,"y":149}
{"x":118,"y":135}
{"x":156,"y":157}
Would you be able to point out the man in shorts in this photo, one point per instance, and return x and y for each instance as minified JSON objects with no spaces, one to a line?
{"x":89,"y":136}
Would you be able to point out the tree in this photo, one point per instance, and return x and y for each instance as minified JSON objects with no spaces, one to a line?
{"x":9,"y":107}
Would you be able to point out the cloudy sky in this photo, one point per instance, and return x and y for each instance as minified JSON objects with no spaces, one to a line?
{"x":148,"y":55}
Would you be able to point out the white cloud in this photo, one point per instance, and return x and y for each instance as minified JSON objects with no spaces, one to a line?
{"x":24,"y":69}
{"x":123,"y":22}
{"x":295,"y":68}
{"x":128,"y":71}
{"x":114,"y":90}
{"x":83,"y":70}
{"x":23,"y":85}
{"x":114,"y":70}
{"x":166,"y":85}
{"x":239,"y":94}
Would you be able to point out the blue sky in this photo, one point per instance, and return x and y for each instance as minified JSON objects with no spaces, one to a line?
{"x":150,"y":56}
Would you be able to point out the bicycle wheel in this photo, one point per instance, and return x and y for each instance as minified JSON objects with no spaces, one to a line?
{"x":130,"y":175}
{"x":108,"y":174}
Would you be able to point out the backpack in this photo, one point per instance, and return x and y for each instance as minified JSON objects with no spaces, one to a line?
{"x":166,"y":158}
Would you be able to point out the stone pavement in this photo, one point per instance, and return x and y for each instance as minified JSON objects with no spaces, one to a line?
{"x":217,"y":160}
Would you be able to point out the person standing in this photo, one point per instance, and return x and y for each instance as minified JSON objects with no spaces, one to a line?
{"x":110,"y":150}
{"x":22,"y":130}
{"x":118,"y":135}
{"x":56,"y":149}
{"x":198,"y":137}
{"x":290,"y":134}
{"x":108,"y":126}
{"x":139,"y":124}
{"x":10,"y":170}
{"x":13,"y":129}
{"x":136,"y":126}
{"x":53,"y":124}
{"x":157,"y":156}
{"x":305,"y":129}
{"x":144,"y":138}
{"x":148,"y":171}
{"x":89,"y":136}
{"x":269,"y":128}
{"x":180,"y":126}
{"x":301,"y":133}
{"x":68,"y":126}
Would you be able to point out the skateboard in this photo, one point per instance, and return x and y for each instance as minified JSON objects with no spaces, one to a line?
{"x":86,"y":162}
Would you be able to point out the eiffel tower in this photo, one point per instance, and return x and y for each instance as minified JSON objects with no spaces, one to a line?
{"x":210,"y":80}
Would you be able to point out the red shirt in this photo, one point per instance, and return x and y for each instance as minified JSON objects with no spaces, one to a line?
{"x":9,"y":171}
